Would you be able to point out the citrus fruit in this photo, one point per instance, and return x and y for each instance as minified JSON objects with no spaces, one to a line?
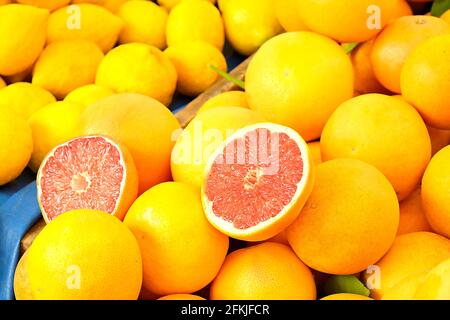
{"x":47,"y":4}
{"x":436,"y":284}
{"x":365,"y":80}
{"x":231,"y":98}
{"x":156,"y":77}
{"x":90,"y":172}
{"x":349,"y":221}
{"x":425,"y":82}
{"x":25,"y":98}
{"x":412,"y":215}
{"x":347,"y":20}
{"x":82,"y":22}
{"x":22,"y":289}
{"x":386,"y":132}
{"x":257,"y":182}
{"x":52,"y":125}
{"x":301,"y":77}
{"x":344,"y":284}
{"x":181,"y":297}
{"x":89,"y":94}
{"x":314,"y":149}
{"x":195,"y":20}
{"x":193,"y":61}
{"x":144,"y":21}
{"x":181,"y":251}
{"x":404,"y":289}
{"x":16,"y":145}
{"x":143,"y":125}
{"x":345,"y":296}
{"x":278,"y":238}
{"x":288,"y":15}
{"x":250,"y":23}
{"x":111,"y":5}
{"x":207,"y":131}
{"x":394,"y":44}
{"x":439,"y":139}
{"x":20,"y":49}
{"x":268,"y":271}
{"x":2,"y":83}
{"x":411,"y":254}
{"x":84,"y":255}
{"x":24,"y":76}
{"x":435,"y":195}
{"x":60,"y":72}
{"x":169,"y":4}
{"x":446,"y":16}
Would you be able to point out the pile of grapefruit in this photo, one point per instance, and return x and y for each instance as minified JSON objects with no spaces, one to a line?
{"x":326,"y":177}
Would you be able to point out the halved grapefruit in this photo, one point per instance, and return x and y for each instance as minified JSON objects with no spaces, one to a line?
{"x":257,"y":182}
{"x":91,"y":172}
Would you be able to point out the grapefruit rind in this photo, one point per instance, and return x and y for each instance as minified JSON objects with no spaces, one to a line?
{"x":128,"y":186}
{"x":270,"y":227}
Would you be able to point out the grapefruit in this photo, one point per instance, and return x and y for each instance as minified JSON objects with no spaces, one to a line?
{"x":90,"y":172}
{"x":181,"y":296}
{"x":267,"y":271}
{"x":257,"y":182}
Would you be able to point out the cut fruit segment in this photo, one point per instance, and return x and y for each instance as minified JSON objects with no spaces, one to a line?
{"x":257,"y":182}
{"x":91,"y":172}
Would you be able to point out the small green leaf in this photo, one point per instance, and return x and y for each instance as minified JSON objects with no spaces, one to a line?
{"x":227,"y":76}
{"x":348,"y":47}
{"x":345,"y":284}
{"x":439,"y":7}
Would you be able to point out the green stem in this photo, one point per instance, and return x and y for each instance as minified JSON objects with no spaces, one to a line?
{"x":227,"y":76}
{"x":439,"y":7}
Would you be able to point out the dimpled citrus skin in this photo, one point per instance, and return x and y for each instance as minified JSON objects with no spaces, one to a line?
{"x":365,"y":80}
{"x":20,"y":49}
{"x":169,"y":4}
{"x":181,"y":297}
{"x":352,"y":212}
{"x":89,"y":94}
{"x":395,"y":43}
{"x":46,"y":4}
{"x":436,"y":284}
{"x":104,"y":34}
{"x":156,"y":77}
{"x":347,"y":20}
{"x":268,"y":271}
{"x":111,"y":5}
{"x":16,"y":145}
{"x":411,"y":253}
{"x":386,"y":132}
{"x":288,"y":15}
{"x":435,"y":195}
{"x":249,"y":23}
{"x":405,"y":289}
{"x":192,"y":60}
{"x":144,"y":21}
{"x":202,"y":136}
{"x":181,"y":251}
{"x":22,"y":289}
{"x":195,"y":20}
{"x":425,"y":80}
{"x":143,"y":125}
{"x":90,"y":244}
{"x":226,"y":99}
{"x":25,"y":98}
{"x":446,"y":16}
{"x":52,"y":125}
{"x":345,"y":296}
{"x":412,"y":214}
{"x":60,"y":72}
{"x":290,"y":89}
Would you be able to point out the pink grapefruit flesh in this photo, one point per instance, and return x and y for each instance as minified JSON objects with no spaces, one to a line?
{"x":257,"y":182}
{"x":84,"y":173}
